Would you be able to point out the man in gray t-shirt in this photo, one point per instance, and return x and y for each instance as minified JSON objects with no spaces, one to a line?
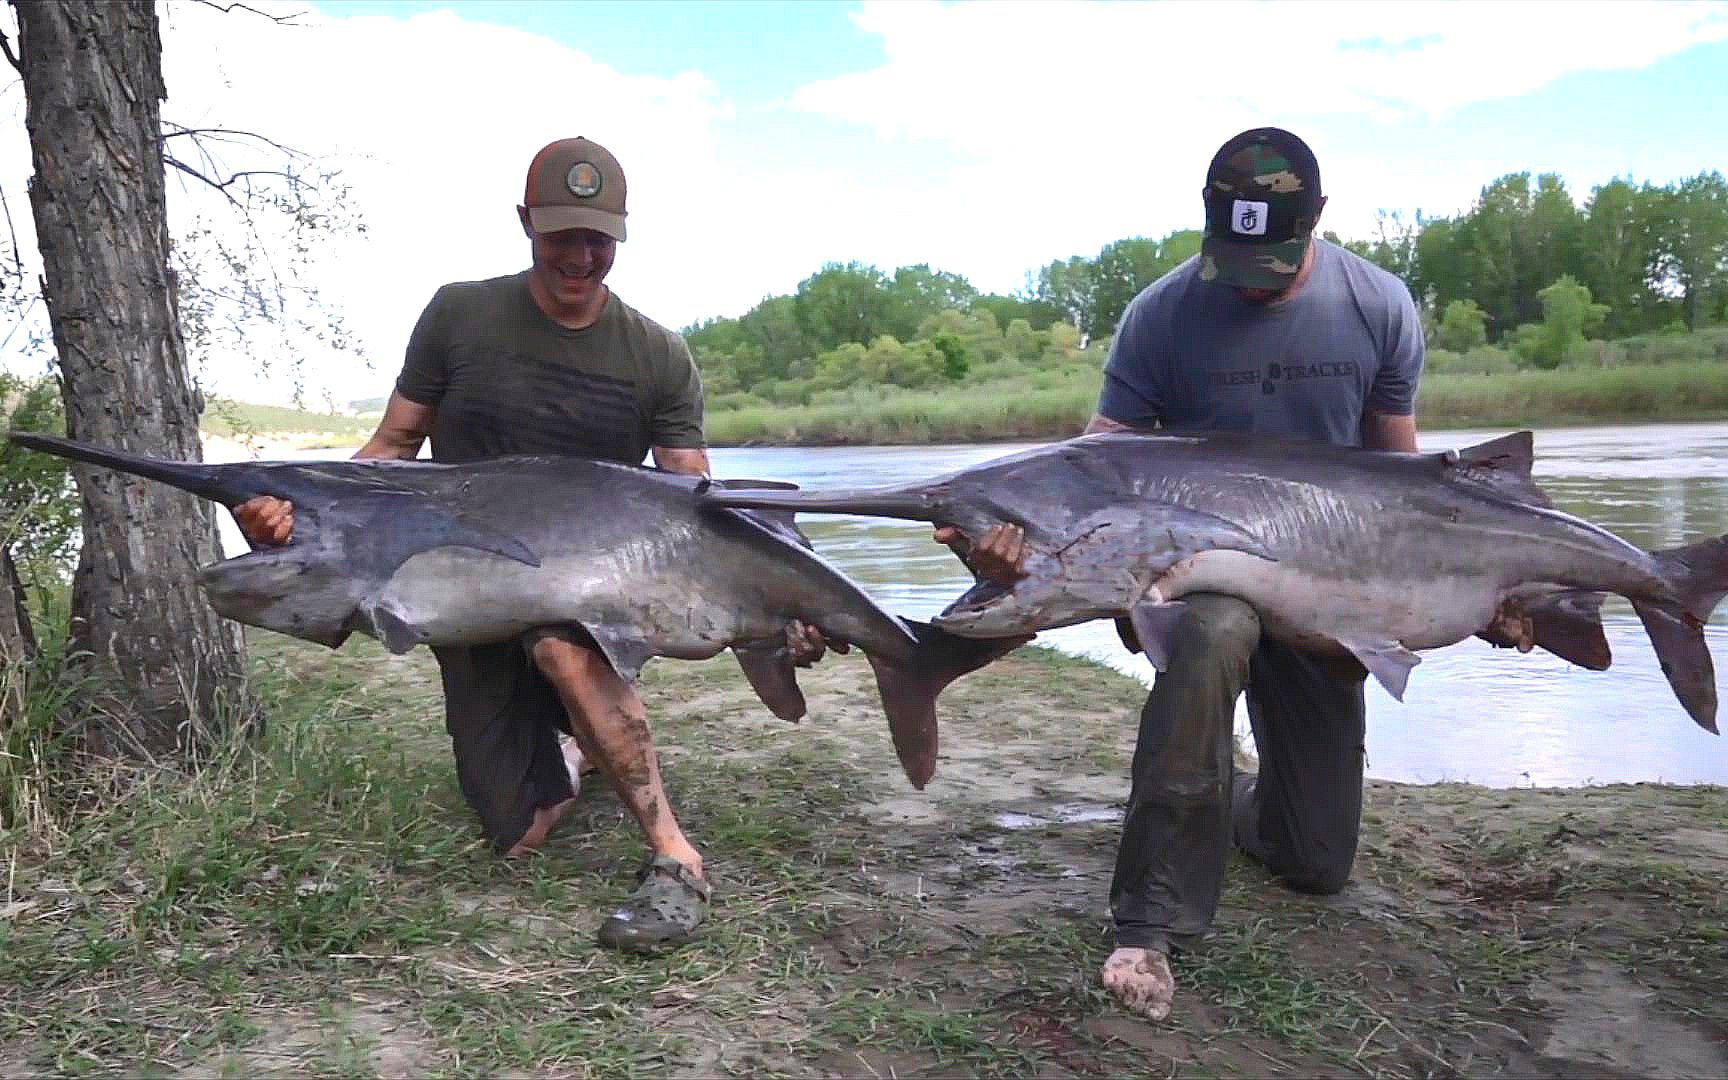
{"x":1267,"y":330}
{"x":1194,"y":353}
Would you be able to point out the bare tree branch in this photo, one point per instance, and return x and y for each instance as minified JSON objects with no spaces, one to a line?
{"x":283,"y":20}
{"x":224,"y":185}
{"x":11,"y":57}
{"x":12,"y":232}
{"x":217,"y":134}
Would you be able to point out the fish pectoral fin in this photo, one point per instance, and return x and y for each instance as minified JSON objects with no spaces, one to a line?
{"x":427,"y":527}
{"x":397,"y":633}
{"x":1567,"y":624}
{"x":495,"y":544}
{"x":1388,"y":661}
{"x":1155,"y":626}
{"x":626,"y":654}
{"x":774,"y":677}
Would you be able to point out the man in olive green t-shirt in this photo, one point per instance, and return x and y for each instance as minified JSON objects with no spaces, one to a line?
{"x":550,"y":361}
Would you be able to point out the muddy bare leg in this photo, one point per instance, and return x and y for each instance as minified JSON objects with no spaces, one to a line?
{"x":610,"y":725}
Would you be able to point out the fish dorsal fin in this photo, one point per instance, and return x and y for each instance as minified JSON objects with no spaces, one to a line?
{"x":1514,"y":453}
{"x":1503,"y":464}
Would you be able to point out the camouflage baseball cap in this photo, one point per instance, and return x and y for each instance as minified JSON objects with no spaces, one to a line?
{"x":1262,"y":200}
{"x":575,"y":184}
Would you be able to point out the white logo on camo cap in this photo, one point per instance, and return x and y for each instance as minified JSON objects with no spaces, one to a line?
{"x":1248,"y":218}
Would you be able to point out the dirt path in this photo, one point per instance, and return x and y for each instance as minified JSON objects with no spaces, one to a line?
{"x":326,"y":909}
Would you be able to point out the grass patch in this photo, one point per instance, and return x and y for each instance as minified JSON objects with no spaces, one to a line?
{"x":318,"y":902}
{"x":1059,"y":408}
{"x":237,"y":418}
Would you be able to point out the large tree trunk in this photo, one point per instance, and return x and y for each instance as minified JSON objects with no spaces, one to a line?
{"x":93,"y":87}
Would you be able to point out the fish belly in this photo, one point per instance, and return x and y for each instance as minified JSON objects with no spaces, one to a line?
{"x":1315,"y":610}
{"x":458,"y":596}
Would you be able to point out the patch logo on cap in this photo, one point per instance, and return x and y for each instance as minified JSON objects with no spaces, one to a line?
{"x":1248,"y":218}
{"x":583,"y":180}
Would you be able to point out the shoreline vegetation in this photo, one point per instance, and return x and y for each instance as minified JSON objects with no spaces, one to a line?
{"x":315,"y":901}
{"x":1536,"y":399}
{"x":1057,"y":405}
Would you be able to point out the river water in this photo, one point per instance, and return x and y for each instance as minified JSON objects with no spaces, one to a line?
{"x":1471,"y":712}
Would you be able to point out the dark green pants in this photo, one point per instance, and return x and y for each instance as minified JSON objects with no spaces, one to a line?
{"x":1300,"y":816}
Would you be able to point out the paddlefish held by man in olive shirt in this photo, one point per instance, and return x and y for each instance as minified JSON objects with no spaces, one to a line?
{"x":418,"y":553}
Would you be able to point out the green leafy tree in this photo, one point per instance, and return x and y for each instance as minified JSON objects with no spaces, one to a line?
{"x":917,"y":292}
{"x":1038,"y":314}
{"x":1463,"y":326}
{"x":1692,"y":252}
{"x":1125,"y":267}
{"x":773,"y":324}
{"x":840,"y":367}
{"x":841,"y":303}
{"x":1022,"y":342}
{"x":1070,"y":286}
{"x":1442,"y":270}
{"x":1393,"y":248}
{"x":1516,"y":238}
{"x":1619,"y":255}
{"x":953,"y":352}
{"x":1568,"y":317}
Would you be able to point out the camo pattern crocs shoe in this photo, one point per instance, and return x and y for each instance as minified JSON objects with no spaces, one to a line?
{"x":668,"y":904}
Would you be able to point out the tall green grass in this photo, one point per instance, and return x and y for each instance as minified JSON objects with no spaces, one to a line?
{"x":1694,"y":390}
{"x":40,"y":697}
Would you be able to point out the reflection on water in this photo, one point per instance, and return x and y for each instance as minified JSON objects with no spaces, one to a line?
{"x":1471,"y":712}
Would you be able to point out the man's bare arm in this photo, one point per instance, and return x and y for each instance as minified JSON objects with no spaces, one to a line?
{"x":1383,"y":431}
{"x":692,"y":461}
{"x":402,"y":431}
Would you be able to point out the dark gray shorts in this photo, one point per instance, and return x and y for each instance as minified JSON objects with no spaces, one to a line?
{"x":504,"y":717}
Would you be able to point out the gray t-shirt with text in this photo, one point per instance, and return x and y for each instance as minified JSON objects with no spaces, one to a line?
{"x":1193,"y":355}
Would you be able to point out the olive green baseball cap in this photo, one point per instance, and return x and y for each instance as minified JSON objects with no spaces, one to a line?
{"x":575,"y":184}
{"x":1262,"y":202}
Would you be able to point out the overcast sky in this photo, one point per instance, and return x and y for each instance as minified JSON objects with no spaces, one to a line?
{"x":763,"y":139}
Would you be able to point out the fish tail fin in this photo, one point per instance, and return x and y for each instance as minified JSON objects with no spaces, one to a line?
{"x":1698,"y":577}
{"x":219,"y":483}
{"x":1679,"y":641}
{"x":1698,"y":574}
{"x":911,"y":503}
{"x":909,"y":689}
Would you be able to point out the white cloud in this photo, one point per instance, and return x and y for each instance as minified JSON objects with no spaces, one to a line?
{"x":433,"y":120}
{"x":982,"y":75}
{"x":1087,"y":120}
